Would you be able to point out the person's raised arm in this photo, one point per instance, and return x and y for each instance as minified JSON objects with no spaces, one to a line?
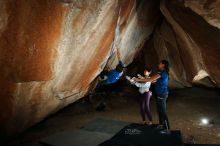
{"x":118,"y":54}
{"x":119,"y":58}
{"x":151,"y":79}
{"x":131,"y":80}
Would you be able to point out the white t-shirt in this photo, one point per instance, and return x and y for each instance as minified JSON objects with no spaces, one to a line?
{"x":143,"y":87}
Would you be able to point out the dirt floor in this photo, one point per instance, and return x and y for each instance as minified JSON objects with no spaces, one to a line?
{"x":186,"y":107}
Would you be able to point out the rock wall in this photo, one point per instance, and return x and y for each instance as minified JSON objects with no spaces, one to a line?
{"x":189,"y":37}
{"x":51,"y":51}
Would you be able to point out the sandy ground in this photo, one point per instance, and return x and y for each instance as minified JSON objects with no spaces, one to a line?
{"x":185,"y":109}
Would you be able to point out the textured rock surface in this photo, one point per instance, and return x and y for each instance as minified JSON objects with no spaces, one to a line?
{"x":189,"y":37}
{"x":52,"y":50}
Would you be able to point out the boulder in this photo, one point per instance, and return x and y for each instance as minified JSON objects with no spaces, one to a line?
{"x":51,"y":51}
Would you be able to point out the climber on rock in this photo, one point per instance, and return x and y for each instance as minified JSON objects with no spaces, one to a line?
{"x":112,"y":76}
{"x":108,"y":78}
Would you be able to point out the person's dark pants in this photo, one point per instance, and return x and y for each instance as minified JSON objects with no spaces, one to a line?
{"x":161,"y":108}
{"x":145,"y":105}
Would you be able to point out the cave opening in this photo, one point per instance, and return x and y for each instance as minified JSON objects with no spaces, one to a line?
{"x":52,"y":54}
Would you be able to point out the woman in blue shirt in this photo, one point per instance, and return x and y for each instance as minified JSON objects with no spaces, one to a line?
{"x":161,"y":89}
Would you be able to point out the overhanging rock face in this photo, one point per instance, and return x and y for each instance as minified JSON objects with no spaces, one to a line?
{"x":52,"y":50}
